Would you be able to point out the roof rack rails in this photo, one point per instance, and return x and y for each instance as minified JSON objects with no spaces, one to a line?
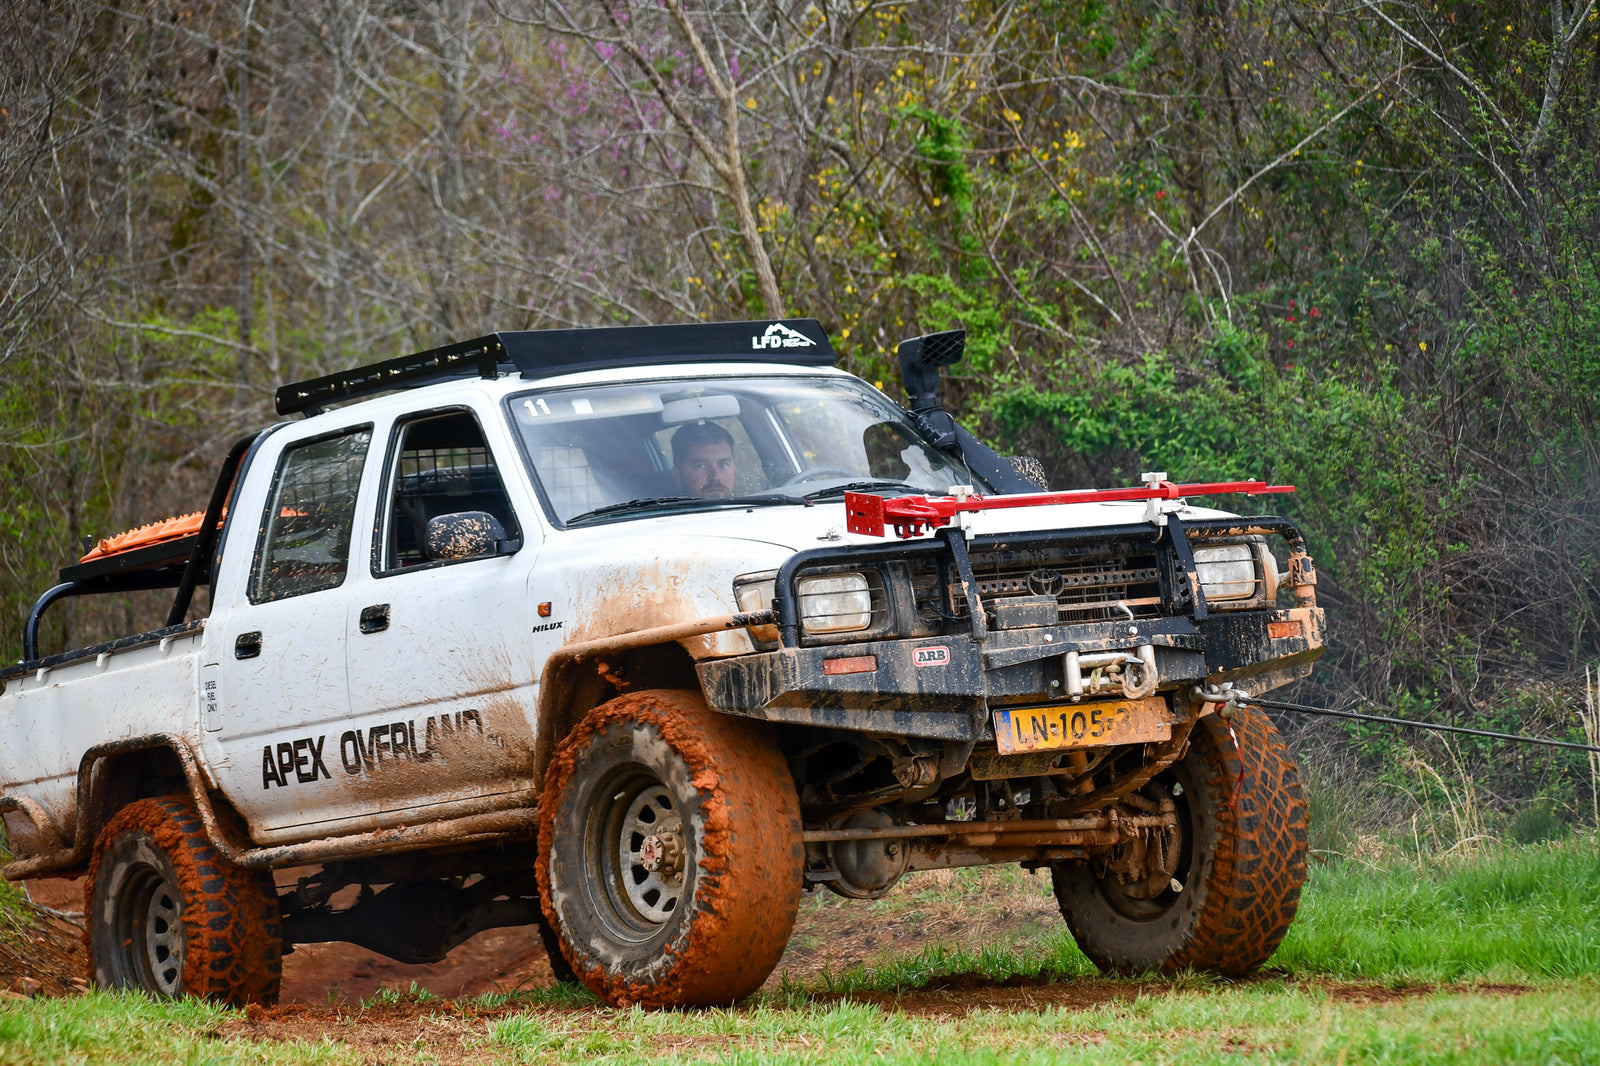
{"x":481,"y":354}
{"x":546,"y":352}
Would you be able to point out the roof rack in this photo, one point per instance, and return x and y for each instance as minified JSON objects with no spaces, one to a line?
{"x":548,"y":352}
{"x":452,"y":361}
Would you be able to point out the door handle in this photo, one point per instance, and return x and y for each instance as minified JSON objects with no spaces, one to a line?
{"x":375,"y":619}
{"x":247,"y":645}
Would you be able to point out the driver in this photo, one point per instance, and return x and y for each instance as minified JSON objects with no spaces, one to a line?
{"x":702,"y":460}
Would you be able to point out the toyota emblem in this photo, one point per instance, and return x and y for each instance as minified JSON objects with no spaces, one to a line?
{"x":1045,"y":582}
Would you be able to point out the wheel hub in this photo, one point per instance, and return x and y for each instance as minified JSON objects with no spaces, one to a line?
{"x":662,"y":852}
{"x":1150,"y":867}
{"x":164,"y":938}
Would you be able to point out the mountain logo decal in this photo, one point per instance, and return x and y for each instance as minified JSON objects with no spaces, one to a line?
{"x":780,"y":336}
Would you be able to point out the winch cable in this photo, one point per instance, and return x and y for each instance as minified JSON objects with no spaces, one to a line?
{"x":1435,"y":726}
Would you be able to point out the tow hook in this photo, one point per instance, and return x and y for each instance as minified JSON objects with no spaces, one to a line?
{"x":1226,"y":697}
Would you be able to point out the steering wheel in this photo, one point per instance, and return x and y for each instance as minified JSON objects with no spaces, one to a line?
{"x":817,"y":473}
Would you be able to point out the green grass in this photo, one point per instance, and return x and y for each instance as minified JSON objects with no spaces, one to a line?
{"x":1268,"y":1021}
{"x":1511,"y":914}
{"x":1527,"y":915}
{"x":105,"y":1027}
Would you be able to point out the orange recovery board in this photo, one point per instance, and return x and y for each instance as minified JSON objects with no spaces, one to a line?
{"x":1081,"y":725}
{"x":145,"y":536}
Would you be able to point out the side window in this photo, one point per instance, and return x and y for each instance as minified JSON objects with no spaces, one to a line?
{"x":305,"y":539}
{"x":442,"y":466}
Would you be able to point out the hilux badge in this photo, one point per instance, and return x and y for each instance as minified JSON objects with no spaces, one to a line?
{"x":780,"y":336}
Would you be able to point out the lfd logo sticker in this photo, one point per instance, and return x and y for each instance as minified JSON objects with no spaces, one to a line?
{"x":937,"y":655}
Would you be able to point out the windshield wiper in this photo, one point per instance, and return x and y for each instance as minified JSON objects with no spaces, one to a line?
{"x":860,"y":486}
{"x":677,"y":502}
{"x":632,"y":505}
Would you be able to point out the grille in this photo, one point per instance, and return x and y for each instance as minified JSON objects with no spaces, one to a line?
{"x":1087,"y":588}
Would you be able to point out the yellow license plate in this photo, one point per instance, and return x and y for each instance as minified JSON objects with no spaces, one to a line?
{"x":1081,"y":725}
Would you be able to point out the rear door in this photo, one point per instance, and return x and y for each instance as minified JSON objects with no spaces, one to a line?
{"x":273,"y":674}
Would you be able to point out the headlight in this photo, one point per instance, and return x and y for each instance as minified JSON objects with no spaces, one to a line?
{"x":834,"y":603}
{"x":754,"y":592}
{"x":1227,"y":571}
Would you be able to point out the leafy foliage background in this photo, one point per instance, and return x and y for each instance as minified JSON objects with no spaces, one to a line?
{"x":1354,"y":247}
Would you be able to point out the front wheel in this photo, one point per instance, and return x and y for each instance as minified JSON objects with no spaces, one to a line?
{"x":670,"y":853}
{"x":1236,"y":866}
{"x":169,"y":916}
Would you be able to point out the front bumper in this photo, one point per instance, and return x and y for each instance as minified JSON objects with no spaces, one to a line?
{"x":945,"y":687}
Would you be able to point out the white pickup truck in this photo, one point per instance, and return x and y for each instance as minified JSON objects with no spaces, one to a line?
{"x":637,"y":634}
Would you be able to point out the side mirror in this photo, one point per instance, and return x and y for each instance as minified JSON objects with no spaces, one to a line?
{"x":1030,"y":469}
{"x":467,"y":535}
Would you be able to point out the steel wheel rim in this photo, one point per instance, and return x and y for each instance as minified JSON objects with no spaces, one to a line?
{"x":632,"y":900}
{"x":150,"y":931}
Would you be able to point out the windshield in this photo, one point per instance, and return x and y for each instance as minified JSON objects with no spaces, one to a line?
{"x":616,"y":450}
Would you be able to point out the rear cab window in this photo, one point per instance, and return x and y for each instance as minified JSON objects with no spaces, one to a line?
{"x":304,"y":544}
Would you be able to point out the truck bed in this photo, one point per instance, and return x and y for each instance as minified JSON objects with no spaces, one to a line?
{"x":54,"y":709}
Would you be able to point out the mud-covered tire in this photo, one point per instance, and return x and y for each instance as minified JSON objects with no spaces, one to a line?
{"x":169,"y":916}
{"x":1242,"y":827}
{"x":560,"y":968}
{"x":656,"y":777}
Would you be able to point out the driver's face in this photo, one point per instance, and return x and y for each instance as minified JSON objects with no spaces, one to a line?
{"x":706,"y":471}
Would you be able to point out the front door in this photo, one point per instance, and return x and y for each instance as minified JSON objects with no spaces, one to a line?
{"x":442,"y":686}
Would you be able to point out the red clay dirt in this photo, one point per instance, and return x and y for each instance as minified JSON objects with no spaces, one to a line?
{"x":452,"y":1032}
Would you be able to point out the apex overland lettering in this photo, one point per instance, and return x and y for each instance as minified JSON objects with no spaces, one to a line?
{"x":301,"y":762}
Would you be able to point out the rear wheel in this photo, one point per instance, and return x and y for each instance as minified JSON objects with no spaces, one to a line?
{"x":670,"y":853}
{"x":1235,"y":873}
{"x":170,"y":916}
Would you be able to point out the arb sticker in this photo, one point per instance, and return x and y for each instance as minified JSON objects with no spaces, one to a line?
{"x":937,"y":655}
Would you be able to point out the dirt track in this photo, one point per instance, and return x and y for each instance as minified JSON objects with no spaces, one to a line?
{"x":331,"y":990}
{"x":831,"y":934}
